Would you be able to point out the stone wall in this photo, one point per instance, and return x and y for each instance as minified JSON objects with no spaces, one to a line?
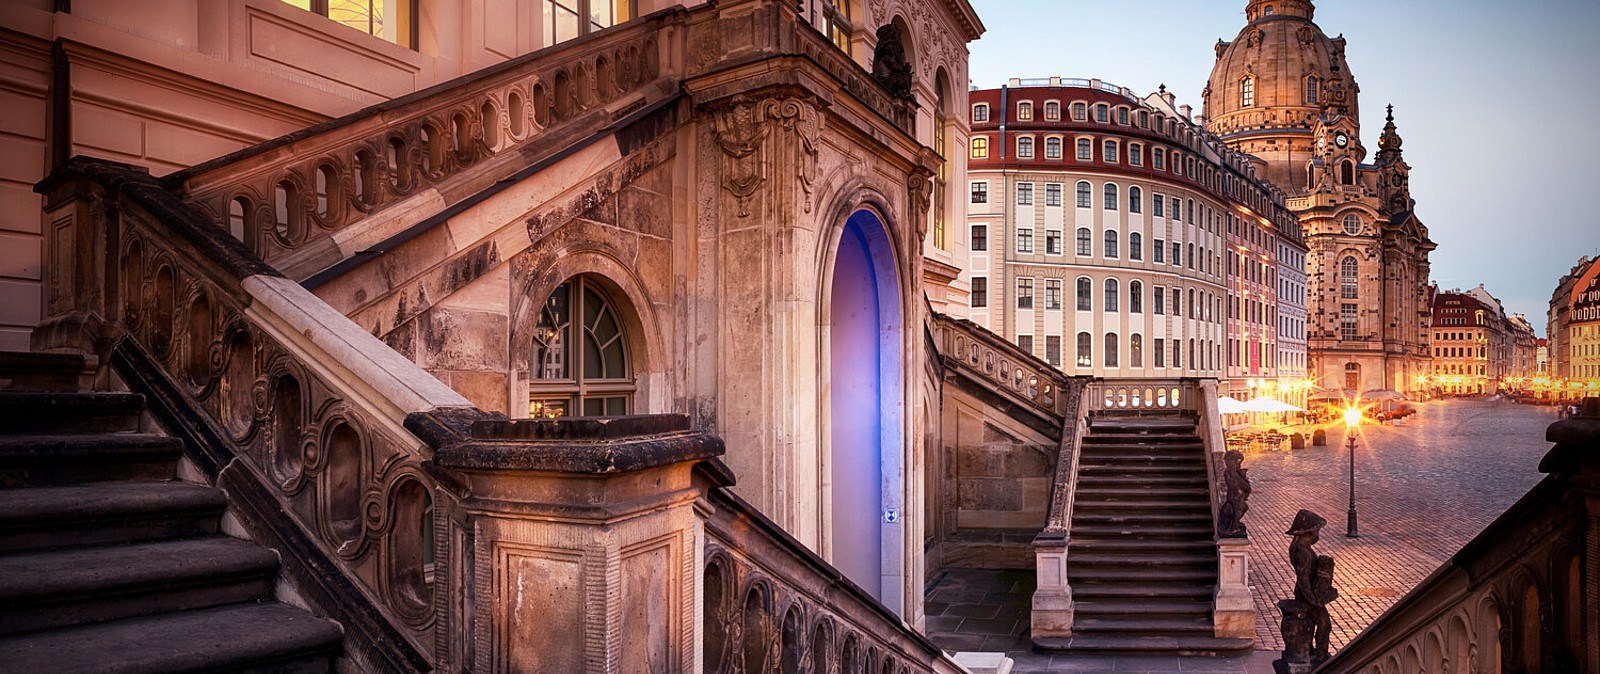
{"x":994,"y":481}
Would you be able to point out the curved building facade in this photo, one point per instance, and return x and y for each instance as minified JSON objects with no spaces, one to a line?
{"x":1099,"y":230}
{"x":1282,"y":93}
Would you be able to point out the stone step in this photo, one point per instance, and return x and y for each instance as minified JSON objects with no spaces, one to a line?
{"x":1198,"y":468}
{"x":41,"y":460}
{"x":37,"y":412}
{"x":1140,"y":546}
{"x":1140,"y":518}
{"x":1102,"y":478}
{"x":1092,"y":559}
{"x":1117,"y":493}
{"x":1084,"y":531}
{"x":27,"y":371}
{"x":1162,"y":439}
{"x":100,"y":514}
{"x":247,"y":637}
{"x":1143,"y":574}
{"x":72,"y":586}
{"x":1143,"y":607}
{"x":1189,"y":505}
{"x":1084,"y":590}
{"x":1144,"y":625}
{"x":1102,"y":644}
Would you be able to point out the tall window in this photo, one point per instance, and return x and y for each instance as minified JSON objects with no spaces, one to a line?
{"x":1025,"y":147}
{"x":1052,"y":350}
{"x":1085,"y":344}
{"x":1160,"y":297}
{"x":980,"y":292}
{"x":1122,"y":115}
{"x":1158,"y":247}
{"x":1135,"y":246}
{"x":580,"y":356}
{"x":1024,"y":239}
{"x":1313,"y":90}
{"x":1024,"y":194}
{"x":1135,"y":200}
{"x":1085,"y":149}
{"x":1108,"y":152}
{"x":980,"y":192}
{"x":1247,"y":91}
{"x":1052,"y":194}
{"x":980,"y":112}
{"x":1349,"y":278}
{"x":836,"y":23}
{"x":1111,"y":244}
{"x":1052,"y":111}
{"x":1158,"y":159}
{"x":1136,"y":350}
{"x":980,"y":147}
{"x":1158,"y":210}
{"x":1111,"y":349}
{"x":1085,"y":288}
{"x":980,"y":238}
{"x":562,"y":20}
{"x":1102,"y":113}
{"x":1110,"y":202}
{"x":1052,"y":148}
{"x":1135,"y":154}
{"x":392,"y":20}
{"x":1347,"y":321}
{"x":1024,"y":293}
{"x":1025,"y":342}
{"x":1085,"y":245}
{"x":1135,"y":297}
{"x":1052,"y":241}
{"x":1024,"y":111}
{"x":1083,"y":195}
{"x":1052,"y":293}
{"x":1111,"y":295}
{"x":1160,"y":352}
{"x":1080,"y":112}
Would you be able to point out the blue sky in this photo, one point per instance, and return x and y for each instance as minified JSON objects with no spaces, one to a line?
{"x":1497,"y":102}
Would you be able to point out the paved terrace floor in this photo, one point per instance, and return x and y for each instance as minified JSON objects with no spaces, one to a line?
{"x":1423,"y":489}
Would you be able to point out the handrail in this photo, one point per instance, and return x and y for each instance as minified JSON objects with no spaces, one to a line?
{"x":1019,"y":376}
{"x":1052,"y":607}
{"x":771,"y":601}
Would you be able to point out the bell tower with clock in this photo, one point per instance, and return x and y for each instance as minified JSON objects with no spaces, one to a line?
{"x":1283,"y":94}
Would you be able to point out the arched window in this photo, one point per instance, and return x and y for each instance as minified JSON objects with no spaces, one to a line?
{"x":1108,"y":152}
{"x":980,"y":147}
{"x":1085,"y":344}
{"x":1111,"y":243}
{"x":1247,"y":91}
{"x":1052,"y":111}
{"x":1052,"y":148}
{"x":1083,"y":194}
{"x":1135,"y":246}
{"x":1313,"y":89}
{"x":1136,"y":350}
{"x":1024,"y":111}
{"x":1080,"y":112}
{"x":1111,"y":349}
{"x":581,"y":364}
{"x":1085,"y":288}
{"x":1085,"y":247}
{"x":1349,"y":283}
{"x":1135,"y":200}
{"x":1110,"y":202}
{"x":1085,"y":150}
{"x":1135,"y":297}
{"x":1111,"y":295}
{"x":980,"y":112}
{"x":1025,"y":147}
{"x":1347,"y":173}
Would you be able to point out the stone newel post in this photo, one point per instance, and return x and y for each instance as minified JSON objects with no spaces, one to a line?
{"x":1234,"y":613}
{"x":585,"y":542}
{"x":1052,"y":600}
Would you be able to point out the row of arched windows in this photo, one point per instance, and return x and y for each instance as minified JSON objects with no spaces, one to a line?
{"x":1247,"y":90}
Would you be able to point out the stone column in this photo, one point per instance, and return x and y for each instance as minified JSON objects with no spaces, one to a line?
{"x":1234,"y":613}
{"x":586,"y":544}
{"x":1052,"y":600}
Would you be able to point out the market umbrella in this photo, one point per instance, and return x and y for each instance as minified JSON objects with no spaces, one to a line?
{"x":1332,"y":395}
{"x":1228,"y":405}
{"x":1383,"y":394}
{"x":1269,"y":405}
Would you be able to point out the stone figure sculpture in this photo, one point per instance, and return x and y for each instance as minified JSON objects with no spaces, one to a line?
{"x":1306,"y":626}
{"x":889,"y":65}
{"x":1236,"y":486}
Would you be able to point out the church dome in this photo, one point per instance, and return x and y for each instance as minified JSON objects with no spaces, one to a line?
{"x":1279,"y":73}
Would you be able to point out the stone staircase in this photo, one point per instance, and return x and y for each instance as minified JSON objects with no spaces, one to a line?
{"x":1141,"y":559}
{"x":108,"y":563}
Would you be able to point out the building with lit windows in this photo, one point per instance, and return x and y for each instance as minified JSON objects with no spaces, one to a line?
{"x":1282,"y":93}
{"x":1463,"y":326}
{"x":1293,"y":383}
{"x":1582,"y":342}
{"x":1098,"y":227}
{"x":1559,"y":316}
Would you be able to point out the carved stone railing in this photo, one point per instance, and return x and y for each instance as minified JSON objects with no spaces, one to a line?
{"x":310,"y":199}
{"x":1521,"y":596}
{"x":1143,"y":394}
{"x":293,"y":410}
{"x":1017,"y":377}
{"x":772,"y":605}
{"x":1052,"y":607}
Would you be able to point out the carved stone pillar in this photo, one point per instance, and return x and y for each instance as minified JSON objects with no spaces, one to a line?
{"x":1234,"y":614}
{"x":1052,"y":601}
{"x":586,"y":543}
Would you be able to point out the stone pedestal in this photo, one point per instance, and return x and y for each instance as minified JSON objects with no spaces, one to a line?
{"x":1234,"y":611}
{"x":1052,"y":601}
{"x":1298,"y":629}
{"x":585,"y":542}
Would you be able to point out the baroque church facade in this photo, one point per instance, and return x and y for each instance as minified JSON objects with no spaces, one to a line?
{"x":1282,"y":92}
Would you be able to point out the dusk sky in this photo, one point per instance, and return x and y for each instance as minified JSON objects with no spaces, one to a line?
{"x":1497,"y":102}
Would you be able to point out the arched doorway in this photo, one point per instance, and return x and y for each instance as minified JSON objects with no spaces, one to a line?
{"x":865,"y":407}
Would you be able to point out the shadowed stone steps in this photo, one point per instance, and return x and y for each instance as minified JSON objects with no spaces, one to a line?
{"x":109,"y":564}
{"x":1141,"y":560}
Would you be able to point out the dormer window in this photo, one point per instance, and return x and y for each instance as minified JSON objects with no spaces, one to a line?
{"x":1247,"y":91}
{"x":980,"y":112}
{"x":1080,"y":112}
{"x":1102,"y":113}
{"x":1024,"y":111}
{"x":1122,"y":116}
{"x":1025,"y":147}
{"x":1052,"y":111}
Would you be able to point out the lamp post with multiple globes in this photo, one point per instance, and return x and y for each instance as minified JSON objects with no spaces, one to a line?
{"x":1352,"y":421}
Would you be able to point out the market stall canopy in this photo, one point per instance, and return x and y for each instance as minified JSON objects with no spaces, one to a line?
{"x":1383,"y":394}
{"x":1267,"y":404}
{"x":1228,"y":405}
{"x":1332,"y":395}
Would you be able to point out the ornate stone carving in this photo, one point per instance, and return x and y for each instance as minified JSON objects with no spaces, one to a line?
{"x":741,"y":131}
{"x":919,"y":189}
{"x":1235,"y":504}
{"x":1306,"y":626}
{"x":889,"y":65}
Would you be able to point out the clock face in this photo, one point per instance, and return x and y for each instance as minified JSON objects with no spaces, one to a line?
{"x":1341,"y":140}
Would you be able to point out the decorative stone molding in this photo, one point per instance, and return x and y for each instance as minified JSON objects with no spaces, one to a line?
{"x":742,"y":129}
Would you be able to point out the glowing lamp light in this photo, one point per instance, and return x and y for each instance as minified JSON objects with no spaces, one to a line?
{"x":1352,"y":417}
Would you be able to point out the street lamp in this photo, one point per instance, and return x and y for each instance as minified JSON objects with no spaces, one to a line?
{"x":1352,"y":421}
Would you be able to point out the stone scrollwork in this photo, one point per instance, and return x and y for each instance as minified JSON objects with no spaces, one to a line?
{"x":919,"y":187}
{"x":741,"y":131}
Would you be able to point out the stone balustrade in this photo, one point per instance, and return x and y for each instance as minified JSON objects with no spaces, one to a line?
{"x":1143,"y":394}
{"x":973,"y":351}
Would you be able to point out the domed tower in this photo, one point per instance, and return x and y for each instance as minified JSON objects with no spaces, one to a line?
{"x":1272,"y":85}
